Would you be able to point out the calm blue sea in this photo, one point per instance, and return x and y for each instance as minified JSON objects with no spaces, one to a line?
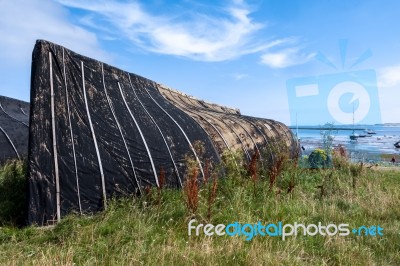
{"x":369,"y":148}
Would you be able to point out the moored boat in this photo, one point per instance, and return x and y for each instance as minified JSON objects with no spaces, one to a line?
{"x":397,"y":144}
{"x":369,"y":131}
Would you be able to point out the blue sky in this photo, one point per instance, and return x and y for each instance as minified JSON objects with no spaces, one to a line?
{"x":236,"y":53}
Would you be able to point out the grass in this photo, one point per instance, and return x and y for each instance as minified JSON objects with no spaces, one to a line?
{"x":153,"y":229}
{"x":12,"y":192}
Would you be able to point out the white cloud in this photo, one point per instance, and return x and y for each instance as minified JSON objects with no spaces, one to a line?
{"x":286,"y":58}
{"x":203,"y":37}
{"x":240,"y":76}
{"x":389,"y":76}
{"x":24,"y":21}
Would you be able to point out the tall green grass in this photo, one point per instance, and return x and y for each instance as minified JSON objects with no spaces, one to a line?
{"x":152,"y":229}
{"x":12,"y":192}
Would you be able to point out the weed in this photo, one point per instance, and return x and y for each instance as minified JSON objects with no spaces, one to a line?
{"x":191,"y":189}
{"x":253,"y":168}
{"x":276,"y":168}
{"x":231,"y":162}
{"x":356,"y":171}
{"x":291,"y":186}
{"x":207,"y":171}
{"x":161,"y":181}
{"x":212,"y":195}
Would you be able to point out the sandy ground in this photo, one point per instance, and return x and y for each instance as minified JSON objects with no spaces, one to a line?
{"x":387,"y":168}
{"x":383,"y":167}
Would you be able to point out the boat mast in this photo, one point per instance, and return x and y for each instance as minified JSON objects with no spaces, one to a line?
{"x":353,"y":119}
{"x":353,"y":136}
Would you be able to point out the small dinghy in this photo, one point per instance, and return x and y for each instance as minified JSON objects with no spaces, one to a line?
{"x":397,"y":144}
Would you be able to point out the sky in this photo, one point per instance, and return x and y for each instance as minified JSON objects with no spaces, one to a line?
{"x":295,"y":61}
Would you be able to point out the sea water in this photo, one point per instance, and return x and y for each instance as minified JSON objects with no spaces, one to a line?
{"x":373,"y":147}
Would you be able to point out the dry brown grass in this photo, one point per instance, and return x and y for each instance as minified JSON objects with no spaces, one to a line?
{"x":191,"y":188}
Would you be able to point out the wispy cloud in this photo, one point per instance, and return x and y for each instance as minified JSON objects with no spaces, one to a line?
{"x":389,"y":76}
{"x":24,"y":21}
{"x":206,"y":37}
{"x":286,"y":57}
{"x":240,"y":76}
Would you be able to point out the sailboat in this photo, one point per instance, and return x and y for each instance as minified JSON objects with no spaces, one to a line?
{"x":297,"y":129}
{"x":354,"y":136}
{"x":369,"y":131}
{"x":397,"y":144}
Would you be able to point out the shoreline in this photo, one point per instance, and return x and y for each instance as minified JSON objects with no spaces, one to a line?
{"x":371,"y":149}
